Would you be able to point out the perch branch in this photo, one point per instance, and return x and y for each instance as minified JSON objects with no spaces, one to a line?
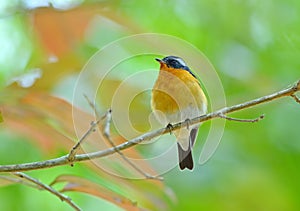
{"x":241,"y":120}
{"x":106,"y":133}
{"x":150,"y":135}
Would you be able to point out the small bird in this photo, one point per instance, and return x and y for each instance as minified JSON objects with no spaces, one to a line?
{"x":177,"y":96}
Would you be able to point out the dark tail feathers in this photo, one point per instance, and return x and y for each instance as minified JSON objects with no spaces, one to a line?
{"x":185,"y":158}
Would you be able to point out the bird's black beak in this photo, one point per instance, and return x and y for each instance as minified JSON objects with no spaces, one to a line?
{"x":159,"y":60}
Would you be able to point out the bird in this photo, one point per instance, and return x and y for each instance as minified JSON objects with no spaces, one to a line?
{"x":178,"y":96}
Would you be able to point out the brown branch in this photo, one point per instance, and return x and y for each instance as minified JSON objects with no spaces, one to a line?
{"x":241,"y":120}
{"x":92,"y":128}
{"x":49,"y":189}
{"x":106,"y":133}
{"x":297,"y":99}
{"x":72,"y":154}
{"x":150,"y":135}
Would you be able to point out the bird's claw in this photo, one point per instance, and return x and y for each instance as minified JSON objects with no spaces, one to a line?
{"x":188,"y":122}
{"x":170,"y":128}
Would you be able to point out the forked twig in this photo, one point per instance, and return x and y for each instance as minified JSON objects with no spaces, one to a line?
{"x":92,"y":128}
{"x":297,"y":99}
{"x":49,"y":189}
{"x":106,"y":133}
{"x":72,"y":153}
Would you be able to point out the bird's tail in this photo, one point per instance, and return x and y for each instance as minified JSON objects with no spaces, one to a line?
{"x":185,"y":156}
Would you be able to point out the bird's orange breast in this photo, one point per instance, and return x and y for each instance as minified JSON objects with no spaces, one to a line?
{"x":175,"y":90}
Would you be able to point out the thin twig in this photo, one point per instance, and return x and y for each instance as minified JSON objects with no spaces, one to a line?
{"x":106,"y":133}
{"x":150,"y":135}
{"x":92,"y":128}
{"x":241,"y":120}
{"x":48,"y":188}
{"x":20,"y":181}
{"x":106,"y":128}
{"x":297,"y":99}
{"x":92,"y":105}
{"x":74,"y":149}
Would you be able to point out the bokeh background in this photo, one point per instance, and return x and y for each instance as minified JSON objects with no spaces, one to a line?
{"x":253,"y":45}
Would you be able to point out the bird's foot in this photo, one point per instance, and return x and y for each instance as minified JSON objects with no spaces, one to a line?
{"x":170,"y":128}
{"x":188,"y":122}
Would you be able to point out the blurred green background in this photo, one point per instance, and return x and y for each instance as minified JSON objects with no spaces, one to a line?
{"x":255,"y":48}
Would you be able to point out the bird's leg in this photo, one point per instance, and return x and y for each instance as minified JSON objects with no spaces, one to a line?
{"x":188,"y":121}
{"x":170,"y":128}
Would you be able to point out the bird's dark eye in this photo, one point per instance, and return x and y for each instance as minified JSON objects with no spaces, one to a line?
{"x":174,"y":64}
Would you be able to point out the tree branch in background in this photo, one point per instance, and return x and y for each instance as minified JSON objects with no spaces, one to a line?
{"x":43,"y":186}
{"x":92,"y":105}
{"x":74,"y":149}
{"x":150,"y":135}
{"x":92,"y":128}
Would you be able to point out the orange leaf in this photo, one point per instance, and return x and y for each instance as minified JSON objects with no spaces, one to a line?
{"x":59,"y":31}
{"x":43,"y":118}
{"x":78,"y":184}
{"x":48,"y":120}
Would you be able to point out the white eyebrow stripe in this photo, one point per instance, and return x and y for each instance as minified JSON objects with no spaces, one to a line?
{"x":180,"y":61}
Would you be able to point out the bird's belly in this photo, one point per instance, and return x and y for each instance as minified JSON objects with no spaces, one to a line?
{"x":177,"y":102}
